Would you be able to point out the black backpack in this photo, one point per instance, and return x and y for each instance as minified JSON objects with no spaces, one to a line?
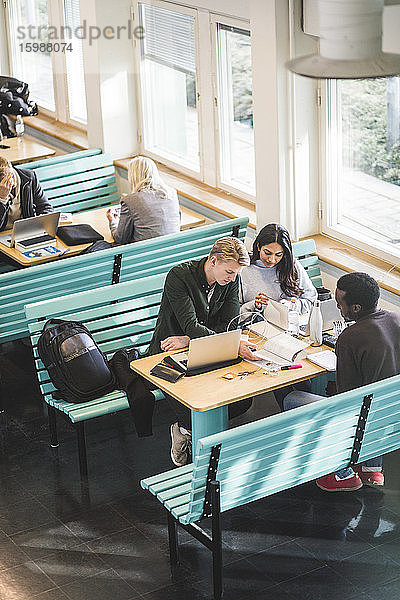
{"x":77,"y":367}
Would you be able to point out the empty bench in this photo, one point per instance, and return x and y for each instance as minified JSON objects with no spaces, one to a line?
{"x":90,"y":271}
{"x":77,"y":181}
{"x":256,"y":460}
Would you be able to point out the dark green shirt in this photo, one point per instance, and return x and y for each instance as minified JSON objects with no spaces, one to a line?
{"x":185,"y":310}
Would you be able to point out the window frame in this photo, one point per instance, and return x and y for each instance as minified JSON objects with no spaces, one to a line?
{"x":329,"y":115}
{"x":207,"y":94}
{"x":141,"y":118}
{"x":243,"y":24}
{"x":56,"y":17}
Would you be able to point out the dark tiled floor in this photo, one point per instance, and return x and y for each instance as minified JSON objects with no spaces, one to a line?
{"x":55,"y":545}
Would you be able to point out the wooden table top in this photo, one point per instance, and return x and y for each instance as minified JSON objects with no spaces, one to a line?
{"x":25,"y":149}
{"x":210,"y":390}
{"x":98,"y":220}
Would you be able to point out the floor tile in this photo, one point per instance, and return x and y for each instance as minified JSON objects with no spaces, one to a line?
{"x":366,"y":568}
{"x":45,"y":540}
{"x":23,"y":582}
{"x":141,"y":563}
{"x":104,"y":585}
{"x":321,"y":584}
{"x":10,"y":554}
{"x":67,"y":566}
{"x":23,"y":515}
{"x":286,"y":561}
{"x":96,"y":523}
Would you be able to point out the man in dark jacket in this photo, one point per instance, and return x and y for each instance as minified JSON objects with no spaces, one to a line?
{"x":21,"y":195}
{"x":200,"y":298}
{"x":367,"y":351}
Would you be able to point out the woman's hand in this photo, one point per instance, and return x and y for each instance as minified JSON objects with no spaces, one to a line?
{"x":245,"y":352}
{"x":261,"y":300}
{"x":112,"y":215}
{"x":175,"y":342}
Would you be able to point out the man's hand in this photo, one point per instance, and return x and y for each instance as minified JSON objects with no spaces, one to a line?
{"x":112,"y":215}
{"x":175,"y":342}
{"x":261,"y":300}
{"x":245,"y":352}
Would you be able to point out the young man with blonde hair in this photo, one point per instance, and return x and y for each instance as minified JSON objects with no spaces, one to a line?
{"x":200,"y":298}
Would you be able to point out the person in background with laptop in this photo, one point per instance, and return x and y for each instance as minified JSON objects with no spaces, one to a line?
{"x":21,"y":195}
{"x":150,"y":210}
{"x":367,"y":351}
{"x":200,"y":298}
{"x":274,"y":274}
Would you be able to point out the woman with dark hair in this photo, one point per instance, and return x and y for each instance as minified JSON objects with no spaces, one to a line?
{"x":274,"y":273}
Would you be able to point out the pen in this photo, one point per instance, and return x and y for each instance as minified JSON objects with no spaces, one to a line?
{"x":291,"y":367}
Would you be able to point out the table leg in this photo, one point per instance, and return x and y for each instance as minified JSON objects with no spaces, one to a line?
{"x":208,"y":422}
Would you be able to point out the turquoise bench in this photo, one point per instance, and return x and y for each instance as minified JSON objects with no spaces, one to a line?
{"x":262,"y":458}
{"x":77,"y":181}
{"x":306,"y":253}
{"x":118,"y":316}
{"x":90,"y":271}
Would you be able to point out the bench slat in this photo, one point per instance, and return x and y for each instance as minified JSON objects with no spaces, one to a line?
{"x":59,"y":159}
{"x":166,"y":476}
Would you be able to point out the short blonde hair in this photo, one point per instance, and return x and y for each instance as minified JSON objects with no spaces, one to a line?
{"x":230,"y":248}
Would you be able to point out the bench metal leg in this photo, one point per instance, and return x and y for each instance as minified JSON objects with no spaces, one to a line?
{"x":80,"y":430}
{"x":173,"y":542}
{"x":216,"y":539}
{"x":208,"y":422}
{"x":51,"y":411}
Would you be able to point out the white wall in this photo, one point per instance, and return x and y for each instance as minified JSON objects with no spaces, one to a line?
{"x":110,"y":80}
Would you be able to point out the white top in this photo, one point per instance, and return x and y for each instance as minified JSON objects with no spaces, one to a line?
{"x":258,"y":278}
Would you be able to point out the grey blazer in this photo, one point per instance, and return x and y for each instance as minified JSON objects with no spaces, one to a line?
{"x":146,"y":214}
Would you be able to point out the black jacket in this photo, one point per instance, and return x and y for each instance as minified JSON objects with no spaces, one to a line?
{"x":32,"y":198}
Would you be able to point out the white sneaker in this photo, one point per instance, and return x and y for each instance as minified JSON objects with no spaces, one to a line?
{"x":181,"y":446}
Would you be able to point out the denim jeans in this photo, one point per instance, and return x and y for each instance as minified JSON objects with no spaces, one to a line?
{"x":298,"y":398}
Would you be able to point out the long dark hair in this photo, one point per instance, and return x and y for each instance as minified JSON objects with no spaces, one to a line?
{"x":286,"y":270}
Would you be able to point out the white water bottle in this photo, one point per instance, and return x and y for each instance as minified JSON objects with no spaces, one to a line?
{"x":316,"y":325}
{"x":293,"y":318}
{"x":19,"y":126}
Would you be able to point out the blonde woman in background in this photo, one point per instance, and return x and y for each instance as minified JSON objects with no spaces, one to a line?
{"x":151,"y":209}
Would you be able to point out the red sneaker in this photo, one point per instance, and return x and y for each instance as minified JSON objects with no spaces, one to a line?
{"x":371,"y":478}
{"x":329,"y":483}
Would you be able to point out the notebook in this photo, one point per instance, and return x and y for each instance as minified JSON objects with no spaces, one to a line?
{"x":325,"y":359}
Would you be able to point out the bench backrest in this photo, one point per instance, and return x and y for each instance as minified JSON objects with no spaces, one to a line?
{"x":118,"y":316}
{"x":306,"y":253}
{"x":78,"y":181}
{"x":264,"y":457}
{"x":90,"y":271}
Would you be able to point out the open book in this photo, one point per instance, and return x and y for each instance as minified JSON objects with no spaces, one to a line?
{"x":281,"y":349}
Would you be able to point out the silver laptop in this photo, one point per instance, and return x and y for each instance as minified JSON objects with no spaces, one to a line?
{"x":208,"y":353}
{"x":276,"y":314}
{"x":33,"y":227}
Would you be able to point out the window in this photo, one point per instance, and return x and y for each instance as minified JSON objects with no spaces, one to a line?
{"x":168,"y":75}
{"x":236,"y":140}
{"x":33,"y":67}
{"x":196,"y":94}
{"x":55,"y":78}
{"x":74,"y":66}
{"x":363,"y":163}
